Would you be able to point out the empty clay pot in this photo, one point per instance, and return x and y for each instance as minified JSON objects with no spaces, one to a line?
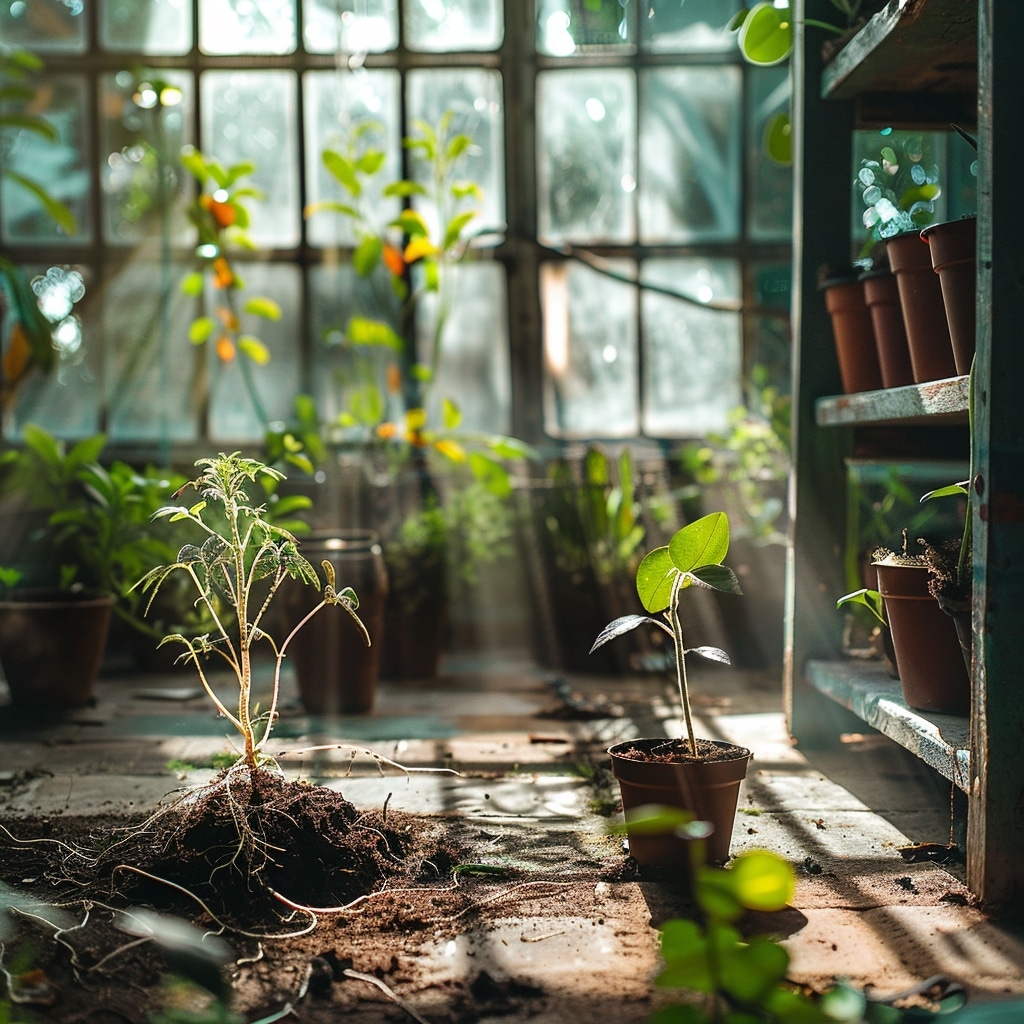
{"x":882,"y":295}
{"x":952,"y":246}
{"x":854,"y":334}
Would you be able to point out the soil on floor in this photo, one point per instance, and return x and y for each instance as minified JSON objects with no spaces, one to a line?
{"x":305,"y":902}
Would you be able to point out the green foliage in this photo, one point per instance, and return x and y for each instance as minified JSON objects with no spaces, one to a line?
{"x":693,"y":557}
{"x":241,"y":559}
{"x":17,"y":68}
{"x":90,"y":527}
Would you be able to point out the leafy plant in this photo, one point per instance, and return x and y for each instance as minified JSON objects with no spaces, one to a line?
{"x":242,"y":559}
{"x":693,"y":557}
{"x":221,"y":219}
{"x":740,"y":980}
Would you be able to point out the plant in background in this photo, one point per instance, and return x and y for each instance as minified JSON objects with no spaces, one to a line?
{"x":221,"y":219}
{"x":693,"y":557}
{"x":241,"y":559}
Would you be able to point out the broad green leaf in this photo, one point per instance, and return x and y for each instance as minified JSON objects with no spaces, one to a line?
{"x":870,"y":599}
{"x":654,"y":578}
{"x":762,"y":880}
{"x":624,"y":624}
{"x":361,"y":331}
{"x":716,"y":894}
{"x":255,"y":349}
{"x":367,"y":255}
{"x":766,"y":35}
{"x":201,"y":329}
{"x":260,"y":305}
{"x":412,"y":223}
{"x":192,"y":284}
{"x":457,"y":145}
{"x":750,"y":971}
{"x":451,"y":415}
{"x":702,"y":542}
{"x":778,"y":139}
{"x":404,"y":189}
{"x":370,"y":162}
{"x":716,"y":577}
{"x":193,"y":162}
{"x":948,"y":491}
{"x":657,"y":820}
{"x":342,"y":170}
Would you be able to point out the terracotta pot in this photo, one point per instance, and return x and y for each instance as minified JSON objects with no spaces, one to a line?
{"x":924,"y":315}
{"x":335,"y":670}
{"x":960,"y":612}
{"x":952,"y":246}
{"x":928,"y":654}
{"x":882,"y":295}
{"x":51,"y":647}
{"x":709,"y":789}
{"x":854,"y":334}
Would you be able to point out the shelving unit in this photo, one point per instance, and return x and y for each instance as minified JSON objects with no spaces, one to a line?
{"x":917,"y":63}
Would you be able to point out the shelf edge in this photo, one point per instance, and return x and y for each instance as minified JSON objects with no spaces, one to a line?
{"x":936,"y":401}
{"x":941,"y":741}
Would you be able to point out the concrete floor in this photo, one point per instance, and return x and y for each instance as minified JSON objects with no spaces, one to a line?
{"x":861,"y":911}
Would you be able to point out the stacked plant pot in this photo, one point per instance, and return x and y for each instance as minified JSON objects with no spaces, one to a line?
{"x":853,"y":330}
{"x":952,"y":248}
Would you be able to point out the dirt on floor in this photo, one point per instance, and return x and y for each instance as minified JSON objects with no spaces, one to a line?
{"x":302,"y":903}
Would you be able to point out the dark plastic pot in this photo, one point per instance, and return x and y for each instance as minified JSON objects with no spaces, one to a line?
{"x":882,"y":295}
{"x":854,"y":334}
{"x":924,"y":314}
{"x":51,"y":647}
{"x":708,"y":789}
{"x":924,"y":638}
{"x":952,"y":246}
{"x":335,"y":670}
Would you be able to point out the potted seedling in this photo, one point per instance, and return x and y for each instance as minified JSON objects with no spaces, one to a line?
{"x":700,"y":776}
{"x":242,"y":559}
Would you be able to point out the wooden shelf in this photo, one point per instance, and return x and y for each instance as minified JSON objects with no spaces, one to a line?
{"x":937,"y":402}
{"x":866,"y":689}
{"x":895,"y":52}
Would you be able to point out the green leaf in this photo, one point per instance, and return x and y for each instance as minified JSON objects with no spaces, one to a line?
{"x":332,"y":205}
{"x":342,"y":170}
{"x":451,"y":415}
{"x":193,"y":162}
{"x":715,"y":577}
{"x":870,"y":599}
{"x":624,"y":624}
{"x":201,"y":329}
{"x":57,"y":211}
{"x":778,"y":139}
{"x":457,"y":145}
{"x":766,"y":35}
{"x":455,"y":226}
{"x":255,"y":349}
{"x":654,"y":578}
{"x":367,"y":255}
{"x":702,"y":542}
{"x":412,"y":223}
{"x":404,"y":189}
{"x":762,"y":880}
{"x":259,"y":305}
{"x":193,"y":284}
{"x":361,"y":331}
{"x":370,"y":162}
{"x":948,"y":491}
{"x":752,"y":970}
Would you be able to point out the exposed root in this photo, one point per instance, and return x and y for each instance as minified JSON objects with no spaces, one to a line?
{"x":371,"y":979}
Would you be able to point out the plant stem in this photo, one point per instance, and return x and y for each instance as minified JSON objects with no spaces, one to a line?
{"x":677,"y":638}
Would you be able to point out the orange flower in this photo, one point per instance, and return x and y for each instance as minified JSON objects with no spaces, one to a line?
{"x":225,"y":349}
{"x":223,"y":277}
{"x":223,"y":214}
{"x":394,"y":379}
{"x":387,"y":431}
{"x":393,"y":260}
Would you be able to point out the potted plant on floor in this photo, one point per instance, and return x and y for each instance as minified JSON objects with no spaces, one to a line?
{"x":700,"y":776}
{"x":75,"y":536}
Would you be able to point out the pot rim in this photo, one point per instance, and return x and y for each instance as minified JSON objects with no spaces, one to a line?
{"x":741,"y":751}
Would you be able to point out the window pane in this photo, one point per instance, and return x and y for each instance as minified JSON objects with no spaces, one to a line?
{"x":47,"y":26}
{"x":772,"y":342}
{"x":474,"y":370}
{"x":696,"y":26}
{"x":586,"y":155}
{"x":350,"y":26}
{"x":693,"y":355}
{"x":474,"y":98}
{"x":590,"y":384}
{"x":62,"y":167}
{"x":256,"y":26}
{"x":770,"y":183}
{"x":235,"y":415}
{"x":148,"y":120}
{"x":565,"y":27}
{"x":435,"y":27}
{"x":156,"y":26}
{"x":67,"y":400}
{"x":251,"y":115}
{"x":690,"y":152}
{"x":150,"y":362}
{"x":337,"y":102}
{"x":346,"y":378}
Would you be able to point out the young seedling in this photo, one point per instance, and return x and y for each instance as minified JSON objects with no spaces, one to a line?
{"x":242,"y":551}
{"x":693,"y":557}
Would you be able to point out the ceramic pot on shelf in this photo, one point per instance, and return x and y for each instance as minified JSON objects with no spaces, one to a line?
{"x":924,"y":314}
{"x":924,"y":638}
{"x":952,"y":247}
{"x":882,"y":295}
{"x":709,"y":789}
{"x":854,"y":333}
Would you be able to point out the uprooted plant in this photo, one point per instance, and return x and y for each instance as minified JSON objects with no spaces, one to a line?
{"x":241,"y":552}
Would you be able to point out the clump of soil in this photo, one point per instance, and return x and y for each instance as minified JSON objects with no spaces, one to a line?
{"x":674,"y":751}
